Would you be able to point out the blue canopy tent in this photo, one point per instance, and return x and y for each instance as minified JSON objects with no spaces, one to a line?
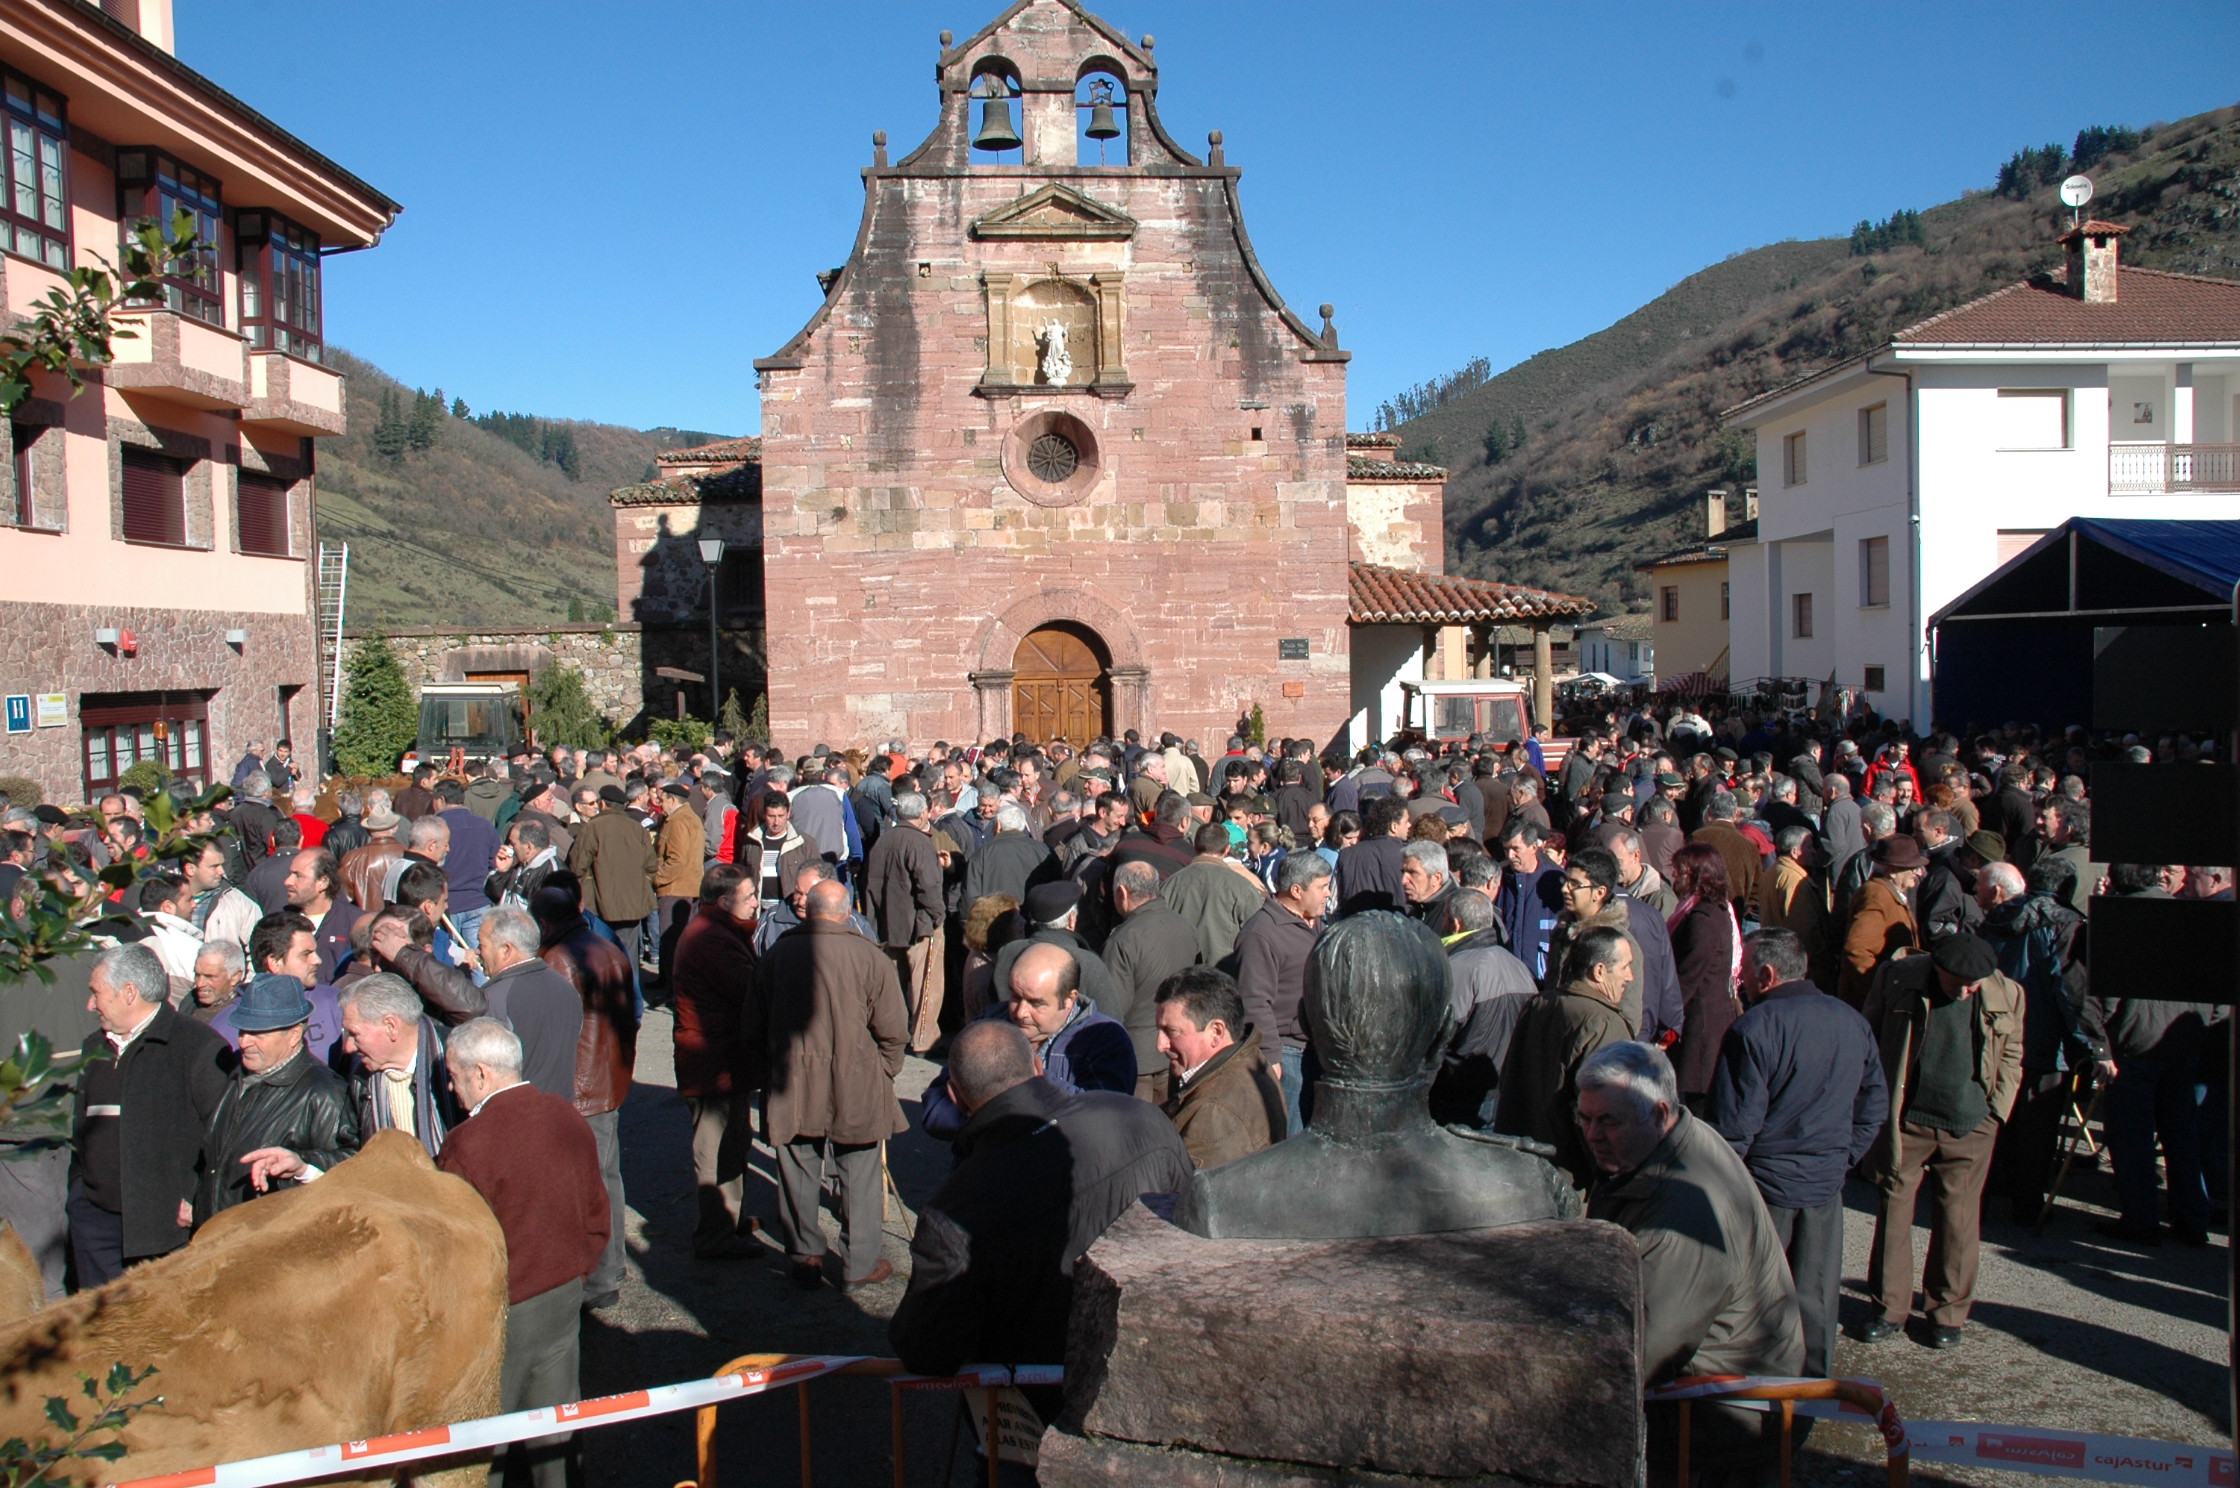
{"x":2019,"y":645}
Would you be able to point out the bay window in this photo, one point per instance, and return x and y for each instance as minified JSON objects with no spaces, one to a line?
{"x":34,"y":198}
{"x":152,"y":186}
{"x":279,"y":266}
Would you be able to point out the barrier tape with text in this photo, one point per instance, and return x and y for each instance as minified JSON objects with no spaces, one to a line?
{"x":2031,"y":1449}
{"x":466,"y":1437}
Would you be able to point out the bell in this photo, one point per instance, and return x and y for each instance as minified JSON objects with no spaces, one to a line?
{"x":996,"y":132}
{"x":1102,"y":125}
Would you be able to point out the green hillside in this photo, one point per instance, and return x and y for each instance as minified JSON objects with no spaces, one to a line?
{"x":474,"y":528}
{"x":1620,"y":433}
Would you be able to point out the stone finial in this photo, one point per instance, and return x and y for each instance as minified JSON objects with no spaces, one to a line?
{"x":1214,"y":155}
{"x":1329,"y":327}
{"x":879,"y":149}
{"x":1149,"y":41}
{"x":947,"y":37}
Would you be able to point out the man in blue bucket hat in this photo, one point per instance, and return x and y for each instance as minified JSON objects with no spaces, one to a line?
{"x":285,"y":1118}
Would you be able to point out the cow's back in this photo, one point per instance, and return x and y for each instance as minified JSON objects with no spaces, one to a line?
{"x":370,"y":1301}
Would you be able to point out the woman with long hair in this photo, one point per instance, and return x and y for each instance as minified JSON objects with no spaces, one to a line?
{"x":1707,"y":955}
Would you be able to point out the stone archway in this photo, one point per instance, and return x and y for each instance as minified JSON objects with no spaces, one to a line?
{"x":997,"y":648}
{"x":1061,"y":686}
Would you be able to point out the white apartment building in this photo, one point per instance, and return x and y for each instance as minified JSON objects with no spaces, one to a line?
{"x":1891,"y":483}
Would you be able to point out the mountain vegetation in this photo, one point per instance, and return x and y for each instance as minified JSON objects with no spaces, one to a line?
{"x":460,"y":520}
{"x":1575,"y":464}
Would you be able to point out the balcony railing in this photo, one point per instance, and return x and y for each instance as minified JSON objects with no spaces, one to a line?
{"x":2156,"y":469}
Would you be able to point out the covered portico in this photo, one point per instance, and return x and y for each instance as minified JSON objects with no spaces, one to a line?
{"x":1415,"y":627}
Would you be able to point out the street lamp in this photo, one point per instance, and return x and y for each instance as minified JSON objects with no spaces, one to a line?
{"x":711,"y":553}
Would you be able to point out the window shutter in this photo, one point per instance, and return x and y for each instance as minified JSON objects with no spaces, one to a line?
{"x":155,"y":499}
{"x":263,"y":506}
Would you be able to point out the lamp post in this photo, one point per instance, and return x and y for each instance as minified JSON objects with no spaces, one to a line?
{"x":711,"y":553}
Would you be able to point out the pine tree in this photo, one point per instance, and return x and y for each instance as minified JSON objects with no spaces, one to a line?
{"x":380,"y":720}
{"x":758,"y":722}
{"x":459,"y":408}
{"x":426,"y":424}
{"x":391,"y":434}
{"x":575,"y":612}
{"x":559,"y":447}
{"x":561,"y":710}
{"x":733,"y":719}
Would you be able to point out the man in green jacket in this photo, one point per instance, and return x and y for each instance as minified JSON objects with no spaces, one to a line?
{"x":1539,"y":1093}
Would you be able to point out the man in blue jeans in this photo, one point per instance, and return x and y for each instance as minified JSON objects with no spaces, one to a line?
{"x":2150,"y":1053}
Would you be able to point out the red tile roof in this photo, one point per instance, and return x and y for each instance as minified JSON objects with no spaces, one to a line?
{"x":1373,"y":441}
{"x":1394,"y":596}
{"x":737,"y":482}
{"x":722,"y":452}
{"x":2094,"y":228}
{"x":2151,"y":308}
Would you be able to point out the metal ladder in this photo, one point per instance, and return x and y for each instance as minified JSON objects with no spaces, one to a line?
{"x":334,"y":588}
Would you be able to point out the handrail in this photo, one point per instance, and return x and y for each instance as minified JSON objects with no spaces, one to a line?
{"x":1866,"y":1396}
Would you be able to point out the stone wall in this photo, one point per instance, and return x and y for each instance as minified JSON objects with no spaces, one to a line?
{"x":617,"y":661}
{"x":178,"y":654}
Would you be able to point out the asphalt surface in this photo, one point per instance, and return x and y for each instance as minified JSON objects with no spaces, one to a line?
{"x":2071,"y":1330}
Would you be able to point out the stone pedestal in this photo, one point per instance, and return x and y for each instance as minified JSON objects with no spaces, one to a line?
{"x":1485,"y":1356}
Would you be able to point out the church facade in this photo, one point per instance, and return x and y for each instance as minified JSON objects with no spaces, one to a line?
{"x":1054,"y":456}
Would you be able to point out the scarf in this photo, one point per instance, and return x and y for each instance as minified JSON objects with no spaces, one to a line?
{"x":426,"y":1102}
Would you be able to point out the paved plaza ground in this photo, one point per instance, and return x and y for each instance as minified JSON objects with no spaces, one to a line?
{"x":2071,"y":1331}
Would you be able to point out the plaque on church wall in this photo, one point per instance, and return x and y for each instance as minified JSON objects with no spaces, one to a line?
{"x":1291,"y":649}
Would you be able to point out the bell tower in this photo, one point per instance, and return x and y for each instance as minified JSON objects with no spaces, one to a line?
{"x":1053,"y":391}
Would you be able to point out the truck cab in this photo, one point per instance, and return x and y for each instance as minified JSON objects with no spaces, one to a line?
{"x":1501,"y":711}
{"x":467,"y":722}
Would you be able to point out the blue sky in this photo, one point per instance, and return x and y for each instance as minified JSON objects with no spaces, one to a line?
{"x":610,"y":211}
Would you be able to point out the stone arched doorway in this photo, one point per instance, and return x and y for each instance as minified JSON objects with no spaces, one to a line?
{"x":1061,"y":685}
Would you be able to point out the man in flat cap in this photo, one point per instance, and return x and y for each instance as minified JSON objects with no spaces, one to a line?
{"x":1950,"y":1025}
{"x":285,"y":1117}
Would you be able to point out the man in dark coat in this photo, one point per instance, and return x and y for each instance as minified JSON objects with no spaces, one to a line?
{"x":718,"y":1068}
{"x":902,"y":885}
{"x":607,"y":1051}
{"x":1370,"y":871}
{"x":1150,"y":944}
{"x":1040,"y":1175}
{"x":1011,"y":862}
{"x":1716,"y":1295}
{"x":1562,"y":1027}
{"x":151,"y":1081}
{"x":529,"y":997}
{"x":1224,"y":1105}
{"x":1801,"y":1096}
{"x":285,"y":1118}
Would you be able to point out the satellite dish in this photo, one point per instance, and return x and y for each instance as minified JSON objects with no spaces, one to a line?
{"x":2076,"y":191}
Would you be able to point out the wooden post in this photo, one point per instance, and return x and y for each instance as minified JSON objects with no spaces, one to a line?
{"x":1543,"y":675}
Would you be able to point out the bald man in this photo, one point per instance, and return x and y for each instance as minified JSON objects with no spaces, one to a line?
{"x":831,"y":1011}
{"x":1080,"y":1047}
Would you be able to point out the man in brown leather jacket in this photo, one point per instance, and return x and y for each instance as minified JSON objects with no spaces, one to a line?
{"x":606,"y":1053}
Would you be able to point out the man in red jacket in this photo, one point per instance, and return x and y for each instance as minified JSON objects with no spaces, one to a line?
{"x":533,"y":1160}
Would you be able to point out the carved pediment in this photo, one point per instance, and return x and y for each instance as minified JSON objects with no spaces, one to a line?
{"x":1056,"y":212}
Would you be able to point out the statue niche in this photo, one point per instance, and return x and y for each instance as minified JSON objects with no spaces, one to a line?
{"x":1054,"y":335}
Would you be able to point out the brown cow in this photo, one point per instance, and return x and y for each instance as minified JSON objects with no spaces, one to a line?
{"x":23,"y":1290}
{"x":368,"y":1302}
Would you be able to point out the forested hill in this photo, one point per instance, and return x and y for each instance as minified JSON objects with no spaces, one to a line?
{"x":1572,"y":466}
{"x":460,"y":517}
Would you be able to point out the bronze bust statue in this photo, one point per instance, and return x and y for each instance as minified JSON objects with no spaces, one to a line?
{"x":1372,"y":1162}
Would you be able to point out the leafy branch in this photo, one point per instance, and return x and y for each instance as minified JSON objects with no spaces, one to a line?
{"x":33,"y":1100}
{"x":23,"y":1463}
{"x":73,"y":326}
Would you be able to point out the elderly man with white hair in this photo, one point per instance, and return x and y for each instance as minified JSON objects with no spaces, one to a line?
{"x":1715,"y":1287}
{"x":149,"y":1085}
{"x":1011,"y":862}
{"x":220,"y":967}
{"x":534,"y":1161}
{"x":398,"y":1080}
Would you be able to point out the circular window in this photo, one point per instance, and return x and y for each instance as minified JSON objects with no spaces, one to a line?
{"x":1053,"y":458}
{"x":1050,"y":458}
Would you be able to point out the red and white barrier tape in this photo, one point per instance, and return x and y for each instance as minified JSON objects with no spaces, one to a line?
{"x":2050,"y":1453}
{"x":608,"y":1410}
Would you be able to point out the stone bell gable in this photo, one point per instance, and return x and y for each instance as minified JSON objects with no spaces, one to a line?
{"x":1053,"y":453}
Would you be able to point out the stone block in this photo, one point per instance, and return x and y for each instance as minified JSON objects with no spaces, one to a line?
{"x":1505,"y":1354}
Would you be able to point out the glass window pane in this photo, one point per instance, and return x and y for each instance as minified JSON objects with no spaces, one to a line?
{"x":192,"y":730}
{"x":97,"y":741}
{"x":144,"y":742}
{"x":57,"y":255}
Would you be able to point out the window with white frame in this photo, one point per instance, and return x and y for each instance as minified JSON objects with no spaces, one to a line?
{"x":2033,"y":419}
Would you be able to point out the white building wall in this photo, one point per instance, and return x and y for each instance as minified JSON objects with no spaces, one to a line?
{"x":1974,"y":485}
{"x":1382,"y":657}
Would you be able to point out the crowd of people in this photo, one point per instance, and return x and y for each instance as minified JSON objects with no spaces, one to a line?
{"x":1755,"y":957}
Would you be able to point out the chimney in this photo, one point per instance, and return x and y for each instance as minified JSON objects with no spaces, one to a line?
{"x":1715,"y":513}
{"x":2092,"y":260}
